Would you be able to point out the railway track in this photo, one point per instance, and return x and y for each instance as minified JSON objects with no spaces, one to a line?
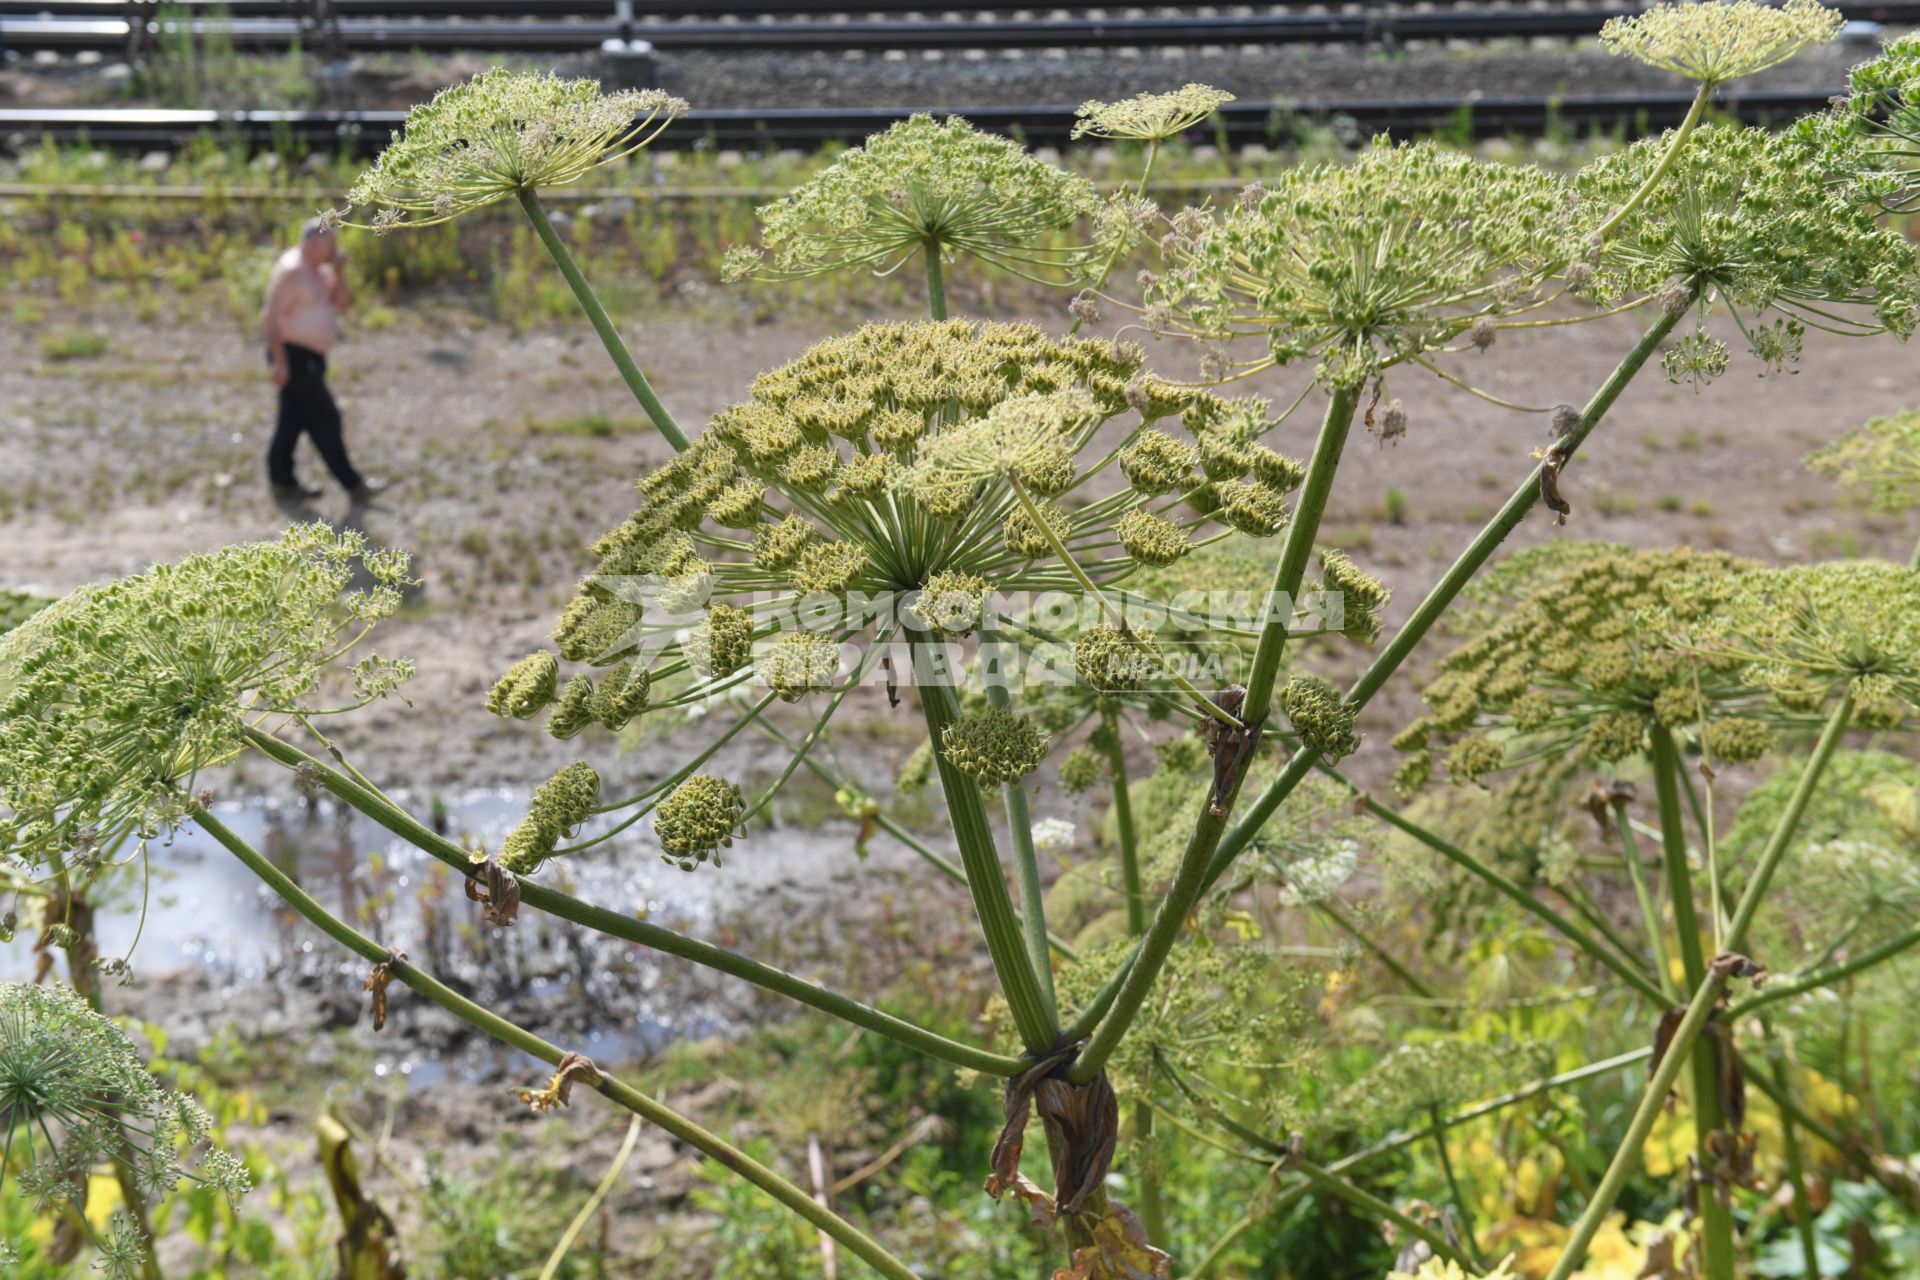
{"x":1239,"y":123}
{"x":555,"y":25}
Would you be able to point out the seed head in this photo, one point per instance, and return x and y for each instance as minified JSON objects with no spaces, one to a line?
{"x":924,"y":185}
{"x":559,"y":805}
{"x":502,"y":133}
{"x":994,"y":745}
{"x":951,"y":602}
{"x":1717,"y":40}
{"x":1879,"y":463}
{"x":1111,"y":661}
{"x":1150,"y":116}
{"x":723,"y":643}
{"x":113,"y":699}
{"x":527,"y":688}
{"x":621,"y":696}
{"x":1363,"y":265}
{"x":73,"y":1093}
{"x":1757,"y":220}
{"x":799,"y":663}
{"x":1151,"y":539}
{"x":573,"y":710}
{"x":697,"y":820}
{"x":1081,"y":768}
{"x":1323,"y":719}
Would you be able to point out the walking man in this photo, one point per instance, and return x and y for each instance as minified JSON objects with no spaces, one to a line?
{"x":301,"y":321}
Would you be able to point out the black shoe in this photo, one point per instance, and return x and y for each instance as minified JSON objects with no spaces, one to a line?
{"x":298,"y":491}
{"x":367,"y":490}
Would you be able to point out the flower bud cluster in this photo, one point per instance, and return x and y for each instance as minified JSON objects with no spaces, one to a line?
{"x":1584,"y":650}
{"x":994,"y":745}
{"x":559,"y":805}
{"x":697,"y":820}
{"x":1358,"y":266}
{"x":1721,"y":40}
{"x":1150,"y":117}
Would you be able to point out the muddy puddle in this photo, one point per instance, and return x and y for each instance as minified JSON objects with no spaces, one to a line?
{"x":216,"y":947}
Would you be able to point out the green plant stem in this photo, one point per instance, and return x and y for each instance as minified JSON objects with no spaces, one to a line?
{"x":1667,"y":157}
{"x":1913,"y":561}
{"x":628,"y":929}
{"x":1776,"y":849}
{"x":1309,"y":508}
{"x":1627,"y":1156}
{"x":1643,"y":894}
{"x":484,"y":1019}
{"x":602,"y":324}
{"x":1440,"y":599}
{"x":592,"y":1206}
{"x":1152,"y":1205}
{"x":1776,"y":990}
{"x":1026,"y":859}
{"x":1372,"y":1205}
{"x":1123,"y":824}
{"x":1716,"y":1220}
{"x":1171,"y":915}
{"x":1439,"y":1132}
{"x":986,"y":881}
{"x":1330,"y":908}
{"x":936,"y":281}
{"x":1520,"y":897}
{"x":1796,"y":1164}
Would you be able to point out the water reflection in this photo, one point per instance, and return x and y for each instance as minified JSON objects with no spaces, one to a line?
{"x":208,"y":914}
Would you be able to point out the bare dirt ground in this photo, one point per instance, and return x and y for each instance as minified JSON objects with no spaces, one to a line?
{"x":153,"y":449}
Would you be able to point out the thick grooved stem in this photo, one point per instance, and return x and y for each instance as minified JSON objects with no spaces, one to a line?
{"x":1651,"y":1103}
{"x":1171,"y":916}
{"x":986,"y":881}
{"x":602,"y":324}
{"x":1441,"y":598}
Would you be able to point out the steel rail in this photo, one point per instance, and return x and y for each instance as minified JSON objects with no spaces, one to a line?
{"x":1239,"y":123}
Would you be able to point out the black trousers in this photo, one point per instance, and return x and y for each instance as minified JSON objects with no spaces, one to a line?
{"x":306,"y":405}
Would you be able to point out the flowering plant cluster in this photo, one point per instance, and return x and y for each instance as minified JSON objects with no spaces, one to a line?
{"x":892,"y":507}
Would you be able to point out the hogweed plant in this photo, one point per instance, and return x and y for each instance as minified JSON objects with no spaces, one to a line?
{"x":1027,"y":534}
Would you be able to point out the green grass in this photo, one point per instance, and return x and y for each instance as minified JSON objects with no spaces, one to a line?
{"x":73,"y":344}
{"x":589,"y":426}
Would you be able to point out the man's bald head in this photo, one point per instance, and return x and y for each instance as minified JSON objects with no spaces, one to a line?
{"x":318,"y":241}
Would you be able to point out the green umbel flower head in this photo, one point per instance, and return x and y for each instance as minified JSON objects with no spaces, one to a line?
{"x":113,"y":698}
{"x":501,"y":133}
{"x":923,"y":186}
{"x":1804,"y":633}
{"x":983,"y":437}
{"x":1879,"y":463}
{"x":1150,"y":117}
{"x":1718,"y":41}
{"x":1586,"y":652}
{"x":73,"y":1093}
{"x":995,"y":745}
{"x":698,"y":820}
{"x":1363,"y":265}
{"x":1882,"y":113}
{"x":1759,"y":221}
